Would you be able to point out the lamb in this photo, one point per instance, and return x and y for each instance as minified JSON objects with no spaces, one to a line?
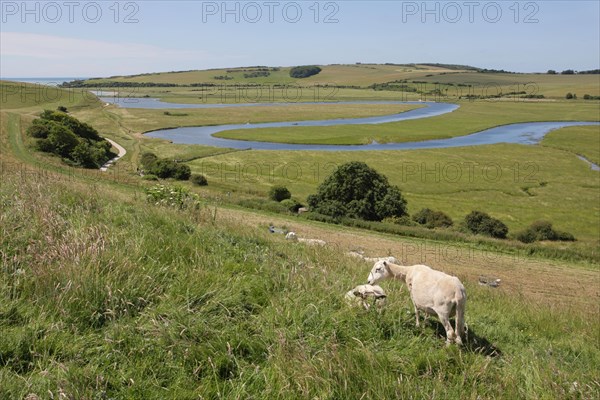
{"x":361,"y":293}
{"x":316,"y":242}
{"x":431,"y":291}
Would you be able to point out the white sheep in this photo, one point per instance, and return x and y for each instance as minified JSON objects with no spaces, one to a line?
{"x":431,"y":291}
{"x":361,"y":294}
{"x":315,"y":242}
{"x":357,"y":254}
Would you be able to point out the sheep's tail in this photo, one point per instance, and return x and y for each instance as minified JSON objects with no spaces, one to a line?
{"x":461,"y":302}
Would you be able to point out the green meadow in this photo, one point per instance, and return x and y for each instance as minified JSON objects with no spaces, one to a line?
{"x":106,"y":295}
{"x":471,"y":117}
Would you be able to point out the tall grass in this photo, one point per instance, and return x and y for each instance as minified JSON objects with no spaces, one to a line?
{"x":123,"y":299}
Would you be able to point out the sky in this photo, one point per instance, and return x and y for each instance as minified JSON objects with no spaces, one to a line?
{"x":70,"y":38}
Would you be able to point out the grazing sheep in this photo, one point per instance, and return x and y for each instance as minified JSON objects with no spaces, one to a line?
{"x":357,"y":254}
{"x":361,"y":294}
{"x":488,"y":281}
{"x":292,"y":236}
{"x":431,"y":291}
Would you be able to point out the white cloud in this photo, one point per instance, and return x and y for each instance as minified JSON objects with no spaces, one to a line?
{"x":36,"y":55}
{"x":57,"y":47}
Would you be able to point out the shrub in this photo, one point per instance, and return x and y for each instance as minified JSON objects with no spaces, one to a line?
{"x":182,"y":172}
{"x":164,"y":169}
{"x":148,"y":160}
{"x":304,"y":71}
{"x":481,"y":223}
{"x":542,"y":230}
{"x":291,"y":204}
{"x":279,"y":193}
{"x":198,"y":179}
{"x":355,"y":190}
{"x":432,"y":219}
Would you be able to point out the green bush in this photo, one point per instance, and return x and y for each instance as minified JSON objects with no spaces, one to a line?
{"x":279,"y":193}
{"x":432,"y":219}
{"x":78,"y":143}
{"x":542,"y":230}
{"x":481,"y":223}
{"x":291,"y":204}
{"x":148,"y":160}
{"x":198,"y":179}
{"x":404,"y":220}
{"x":355,"y":190}
{"x":304,"y":71}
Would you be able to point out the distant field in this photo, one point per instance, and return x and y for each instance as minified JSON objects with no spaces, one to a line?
{"x":346,"y":82}
{"x":361,"y":75}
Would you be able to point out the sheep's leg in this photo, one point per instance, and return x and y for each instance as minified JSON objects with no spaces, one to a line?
{"x":450,"y":334}
{"x":460,"y":321}
{"x":417,"y":315}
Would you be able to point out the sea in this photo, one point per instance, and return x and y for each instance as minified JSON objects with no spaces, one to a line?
{"x":51,"y":81}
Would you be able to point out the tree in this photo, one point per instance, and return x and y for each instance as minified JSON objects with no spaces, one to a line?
{"x":304,"y":71}
{"x":357,"y":191}
{"x":569,"y":96}
{"x":279,"y":193}
{"x":568,"y":72}
{"x":551,"y":72}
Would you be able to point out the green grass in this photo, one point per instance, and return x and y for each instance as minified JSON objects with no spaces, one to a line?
{"x":142,"y":120}
{"x":581,"y":140}
{"x":517,"y":183}
{"x":360,"y":75}
{"x":103,"y":295}
{"x":469,"y":118}
{"x":119,"y":299}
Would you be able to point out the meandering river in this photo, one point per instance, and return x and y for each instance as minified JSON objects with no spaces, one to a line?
{"x":522,"y":133}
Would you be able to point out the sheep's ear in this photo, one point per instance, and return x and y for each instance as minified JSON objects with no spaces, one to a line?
{"x":385,"y":264}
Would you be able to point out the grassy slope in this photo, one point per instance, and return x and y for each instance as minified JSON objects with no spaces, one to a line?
{"x":104,"y":295}
{"x":361,"y":75}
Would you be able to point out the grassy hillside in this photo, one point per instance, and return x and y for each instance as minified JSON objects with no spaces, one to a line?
{"x":355,"y":81}
{"x":353,"y":75}
{"x":106,"y":296}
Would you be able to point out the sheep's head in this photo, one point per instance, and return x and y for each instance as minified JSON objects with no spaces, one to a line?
{"x":291,"y":236}
{"x":379,"y":272}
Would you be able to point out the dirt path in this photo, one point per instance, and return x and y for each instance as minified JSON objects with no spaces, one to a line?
{"x":121,"y":150}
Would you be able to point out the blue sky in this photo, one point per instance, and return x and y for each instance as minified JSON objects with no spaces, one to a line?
{"x":103,"y":38}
